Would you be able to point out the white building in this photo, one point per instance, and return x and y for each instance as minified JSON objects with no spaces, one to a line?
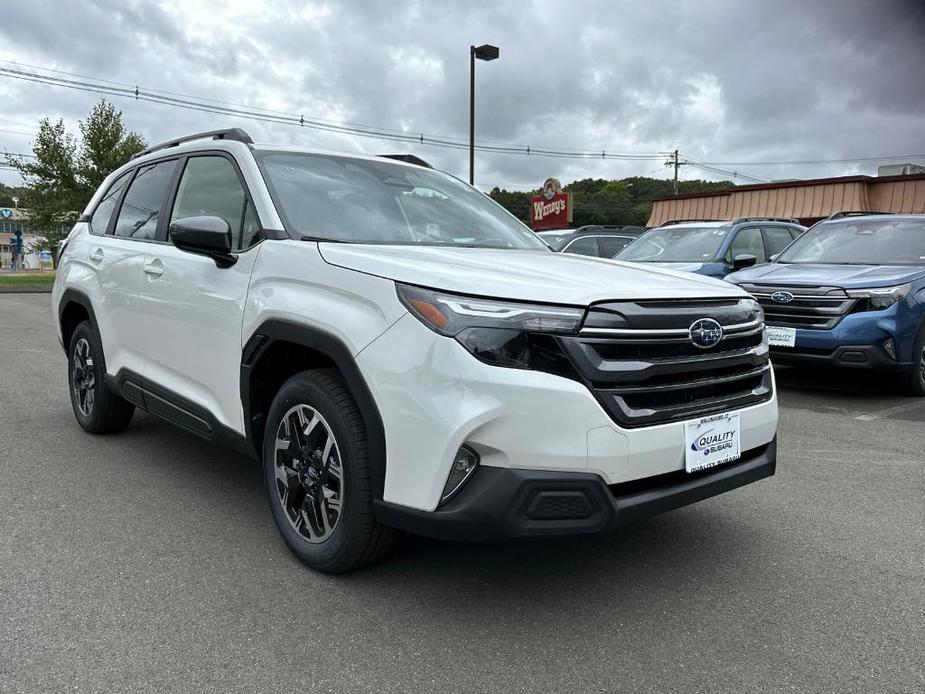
{"x":11,"y":221}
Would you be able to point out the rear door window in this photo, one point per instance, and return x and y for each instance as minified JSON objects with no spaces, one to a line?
{"x":611,"y":245}
{"x":583,"y":246}
{"x":99,"y":221}
{"x":776,"y":239}
{"x":141,"y":208}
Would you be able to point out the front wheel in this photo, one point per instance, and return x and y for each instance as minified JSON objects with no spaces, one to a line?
{"x":317,"y":474}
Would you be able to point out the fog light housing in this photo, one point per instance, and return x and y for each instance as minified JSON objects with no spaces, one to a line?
{"x":464,"y":466}
{"x":890,"y":347}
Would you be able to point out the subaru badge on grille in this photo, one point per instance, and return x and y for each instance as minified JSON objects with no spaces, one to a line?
{"x":705,"y":333}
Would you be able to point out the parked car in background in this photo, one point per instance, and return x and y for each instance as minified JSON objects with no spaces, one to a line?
{"x":713,"y":248}
{"x":556,"y":238}
{"x":597,"y":240}
{"x":850,"y":292}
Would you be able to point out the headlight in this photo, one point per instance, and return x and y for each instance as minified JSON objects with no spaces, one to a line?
{"x":756,"y":307}
{"x":495,"y":332}
{"x":880,"y":298}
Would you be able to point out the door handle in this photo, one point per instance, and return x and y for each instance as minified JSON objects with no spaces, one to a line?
{"x":97,"y":255}
{"x":154,"y":268}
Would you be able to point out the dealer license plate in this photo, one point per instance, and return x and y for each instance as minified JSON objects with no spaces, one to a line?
{"x":782,"y":337}
{"x":711,"y":441}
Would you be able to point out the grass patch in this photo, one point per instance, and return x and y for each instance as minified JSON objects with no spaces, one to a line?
{"x":26,"y":280}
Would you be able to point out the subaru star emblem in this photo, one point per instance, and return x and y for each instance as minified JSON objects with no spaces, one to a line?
{"x":705,"y":333}
{"x":782,"y":297}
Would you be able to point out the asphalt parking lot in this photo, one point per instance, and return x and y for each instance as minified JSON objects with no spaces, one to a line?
{"x":149,"y":561}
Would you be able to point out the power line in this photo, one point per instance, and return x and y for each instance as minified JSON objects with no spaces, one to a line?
{"x":726,"y":172}
{"x":815,"y":161}
{"x":96,"y":86}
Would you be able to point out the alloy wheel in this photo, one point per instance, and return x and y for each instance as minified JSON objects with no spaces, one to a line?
{"x":84,"y":377}
{"x":309,"y":476}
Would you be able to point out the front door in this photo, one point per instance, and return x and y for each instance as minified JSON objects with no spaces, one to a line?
{"x":192,"y":310}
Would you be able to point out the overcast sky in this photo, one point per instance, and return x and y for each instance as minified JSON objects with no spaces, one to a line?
{"x":721,"y":81}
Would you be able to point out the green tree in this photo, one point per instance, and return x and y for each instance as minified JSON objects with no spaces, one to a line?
{"x":65,"y":172}
{"x":7,"y":193}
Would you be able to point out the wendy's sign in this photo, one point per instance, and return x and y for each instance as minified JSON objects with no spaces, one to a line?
{"x":552,"y":209}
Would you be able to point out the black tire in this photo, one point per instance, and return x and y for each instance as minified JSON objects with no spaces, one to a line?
{"x":356,"y":538}
{"x":97,"y":409}
{"x":915,"y":377}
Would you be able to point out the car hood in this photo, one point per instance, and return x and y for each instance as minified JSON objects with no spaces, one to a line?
{"x":846,"y":276}
{"x":542,"y":276}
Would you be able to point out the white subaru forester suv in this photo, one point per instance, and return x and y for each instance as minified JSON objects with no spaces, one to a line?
{"x":400,"y":352}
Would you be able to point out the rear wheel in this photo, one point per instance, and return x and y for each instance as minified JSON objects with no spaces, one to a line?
{"x":317,"y":475}
{"x":96,"y":408}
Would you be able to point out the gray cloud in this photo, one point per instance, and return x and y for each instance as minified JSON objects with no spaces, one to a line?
{"x":722,"y":81}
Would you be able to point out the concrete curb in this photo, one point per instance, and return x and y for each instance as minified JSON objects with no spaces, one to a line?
{"x":25,"y":290}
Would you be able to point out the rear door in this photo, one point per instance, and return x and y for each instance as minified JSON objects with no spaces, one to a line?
{"x":121,"y":227}
{"x":192,"y":310}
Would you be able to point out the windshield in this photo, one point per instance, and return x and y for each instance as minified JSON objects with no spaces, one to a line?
{"x":361,"y":201}
{"x":860,"y":242}
{"x":556,"y":239}
{"x":676,"y":245}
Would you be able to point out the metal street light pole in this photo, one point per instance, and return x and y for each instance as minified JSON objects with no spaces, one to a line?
{"x":485,"y":52}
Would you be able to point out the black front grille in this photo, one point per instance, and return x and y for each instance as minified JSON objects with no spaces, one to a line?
{"x":655,"y":350}
{"x":812,"y":308}
{"x":640,"y":362}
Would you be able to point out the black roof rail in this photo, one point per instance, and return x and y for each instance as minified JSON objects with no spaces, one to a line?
{"x":687,"y":221}
{"x":408,"y":159}
{"x":789,"y":220}
{"x":235,"y":134}
{"x":854,"y":213}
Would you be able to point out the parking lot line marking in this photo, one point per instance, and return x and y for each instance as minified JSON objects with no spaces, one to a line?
{"x":879,"y":414}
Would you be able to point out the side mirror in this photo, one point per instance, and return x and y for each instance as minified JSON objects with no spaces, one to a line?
{"x":743,"y":261}
{"x":208,"y":236}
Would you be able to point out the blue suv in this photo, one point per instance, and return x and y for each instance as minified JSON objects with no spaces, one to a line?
{"x":713,"y":248}
{"x":849,"y":292}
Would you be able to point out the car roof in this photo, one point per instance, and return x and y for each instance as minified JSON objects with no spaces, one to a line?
{"x":229,"y":145}
{"x":878,"y":217}
{"x":689,"y":225}
{"x":609,"y":230}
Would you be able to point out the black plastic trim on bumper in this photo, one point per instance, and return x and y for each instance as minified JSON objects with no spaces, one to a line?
{"x":846,"y":356}
{"x":501,"y":503}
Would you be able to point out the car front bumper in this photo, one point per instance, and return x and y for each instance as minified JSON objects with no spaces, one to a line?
{"x":504,"y":503}
{"x":846,"y":356}
{"x":434,"y":396}
{"x":857,"y":341}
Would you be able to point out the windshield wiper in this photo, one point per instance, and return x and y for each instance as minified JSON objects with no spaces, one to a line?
{"x":307,"y":237}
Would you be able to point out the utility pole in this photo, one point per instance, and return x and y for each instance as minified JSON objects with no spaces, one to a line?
{"x":675,"y":161}
{"x":676,"y":172}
